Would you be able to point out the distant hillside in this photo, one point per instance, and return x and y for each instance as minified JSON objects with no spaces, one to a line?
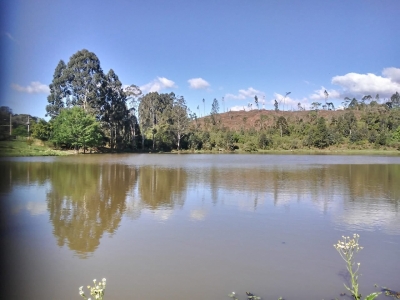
{"x":258,"y":119}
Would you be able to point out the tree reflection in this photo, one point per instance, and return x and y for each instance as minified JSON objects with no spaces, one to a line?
{"x":87,"y":200}
{"x":162,"y":188}
{"x":22,"y":173}
{"x":320,"y":184}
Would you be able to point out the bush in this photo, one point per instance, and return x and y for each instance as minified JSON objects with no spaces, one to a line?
{"x":264,"y":142}
{"x":250,"y":147}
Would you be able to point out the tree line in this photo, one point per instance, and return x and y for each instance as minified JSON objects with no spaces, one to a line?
{"x":92,"y":109}
{"x":89,"y":108}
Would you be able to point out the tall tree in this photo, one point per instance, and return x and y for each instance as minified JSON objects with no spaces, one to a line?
{"x":180,"y":125}
{"x":133,"y":93}
{"x":85,"y":82}
{"x":395,"y":99}
{"x":214,"y":111}
{"x":315,"y":105}
{"x":282,"y":124}
{"x":58,"y":91}
{"x":256,"y":101}
{"x":114,"y":111}
{"x":276,"y":105}
{"x":154,"y":110}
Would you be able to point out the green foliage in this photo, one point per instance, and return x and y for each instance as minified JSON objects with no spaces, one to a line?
{"x":21,"y":130}
{"x":58,"y":91}
{"x":282,"y":125}
{"x":396,"y":135}
{"x":250,"y":147}
{"x":319,"y":135}
{"x":76,"y":128}
{"x":179,"y":123}
{"x":195,"y":141}
{"x":264,"y":142}
{"x":41,"y":130}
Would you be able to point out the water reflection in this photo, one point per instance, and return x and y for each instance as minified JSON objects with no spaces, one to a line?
{"x":86,"y":200}
{"x":162,"y":188}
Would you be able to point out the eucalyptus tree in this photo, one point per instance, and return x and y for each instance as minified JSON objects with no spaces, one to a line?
{"x":366,"y":98}
{"x":154,"y":111}
{"x":133,"y":93}
{"x":256,"y":101}
{"x":79,"y":83}
{"x":58,"y":91}
{"x":276,"y":105}
{"x":214,"y":111}
{"x":395,"y":99}
{"x":114,"y":111}
{"x":180,"y":120}
{"x":329,"y":105}
{"x":85,"y":82}
{"x":315,"y":105}
{"x":147,"y":118}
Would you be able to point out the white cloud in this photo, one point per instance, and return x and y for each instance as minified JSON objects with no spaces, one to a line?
{"x":198,"y":83}
{"x":198,"y":214}
{"x":287,"y":103}
{"x":35,"y":87}
{"x":392,"y":73}
{"x":370,"y":84}
{"x":244,"y":94}
{"x":320,"y":94}
{"x":157,"y":85}
{"x":239,"y":108}
{"x":284,"y":103}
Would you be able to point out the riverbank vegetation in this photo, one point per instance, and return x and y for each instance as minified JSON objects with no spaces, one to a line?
{"x":92,"y":110}
{"x":31,"y":147}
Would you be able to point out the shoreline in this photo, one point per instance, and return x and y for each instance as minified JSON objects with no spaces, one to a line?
{"x":20,"y":148}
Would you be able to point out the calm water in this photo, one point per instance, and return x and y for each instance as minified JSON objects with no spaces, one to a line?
{"x":196,"y":226}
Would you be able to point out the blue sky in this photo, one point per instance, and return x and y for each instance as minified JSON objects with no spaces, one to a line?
{"x":234,"y":49}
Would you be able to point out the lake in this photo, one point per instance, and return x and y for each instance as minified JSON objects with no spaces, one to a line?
{"x":193,"y":226}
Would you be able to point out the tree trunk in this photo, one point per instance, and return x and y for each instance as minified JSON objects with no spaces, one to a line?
{"x":154,"y":141}
{"x":134,"y":136}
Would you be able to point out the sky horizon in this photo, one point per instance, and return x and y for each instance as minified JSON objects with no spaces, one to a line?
{"x":225,"y":49}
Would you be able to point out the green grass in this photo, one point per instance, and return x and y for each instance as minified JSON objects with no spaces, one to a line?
{"x":21,"y":147}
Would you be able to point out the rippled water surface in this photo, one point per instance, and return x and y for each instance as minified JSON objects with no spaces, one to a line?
{"x":165,"y":226}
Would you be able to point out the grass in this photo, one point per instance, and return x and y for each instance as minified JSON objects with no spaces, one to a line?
{"x":313,"y":151}
{"x":21,"y":147}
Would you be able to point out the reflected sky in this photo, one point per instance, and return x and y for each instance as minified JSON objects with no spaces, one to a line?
{"x":211,"y":213}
